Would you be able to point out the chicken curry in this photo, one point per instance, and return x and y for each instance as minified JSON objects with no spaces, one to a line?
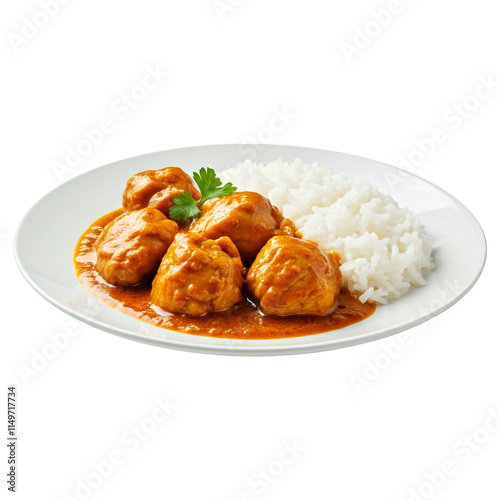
{"x":206,"y":260}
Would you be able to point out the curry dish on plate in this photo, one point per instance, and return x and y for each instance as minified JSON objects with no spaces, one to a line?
{"x":205,"y":259}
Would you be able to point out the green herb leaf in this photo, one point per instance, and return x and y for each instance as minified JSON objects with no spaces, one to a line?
{"x":209,"y":184}
{"x":185,"y":206}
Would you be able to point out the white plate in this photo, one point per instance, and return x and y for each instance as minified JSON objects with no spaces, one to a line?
{"x":46,"y":239}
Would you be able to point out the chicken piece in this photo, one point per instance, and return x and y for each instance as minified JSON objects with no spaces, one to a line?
{"x":130,"y":247}
{"x":286,"y":228}
{"x":248,"y":218}
{"x":156,"y":188}
{"x":292,"y":276}
{"x":198,"y":275}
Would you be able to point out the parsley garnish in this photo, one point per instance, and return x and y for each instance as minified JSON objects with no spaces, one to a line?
{"x":185,"y":206}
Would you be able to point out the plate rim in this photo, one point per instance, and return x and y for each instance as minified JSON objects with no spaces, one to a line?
{"x":245,"y":348}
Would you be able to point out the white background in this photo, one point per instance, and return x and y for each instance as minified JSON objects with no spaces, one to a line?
{"x":229,"y":70}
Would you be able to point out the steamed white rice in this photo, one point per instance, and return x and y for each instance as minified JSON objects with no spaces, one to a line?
{"x":383,"y":248}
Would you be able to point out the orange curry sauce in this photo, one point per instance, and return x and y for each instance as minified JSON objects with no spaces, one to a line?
{"x":242,"y":321}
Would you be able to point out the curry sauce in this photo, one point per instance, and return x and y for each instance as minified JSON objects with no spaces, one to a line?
{"x":242,"y":321}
